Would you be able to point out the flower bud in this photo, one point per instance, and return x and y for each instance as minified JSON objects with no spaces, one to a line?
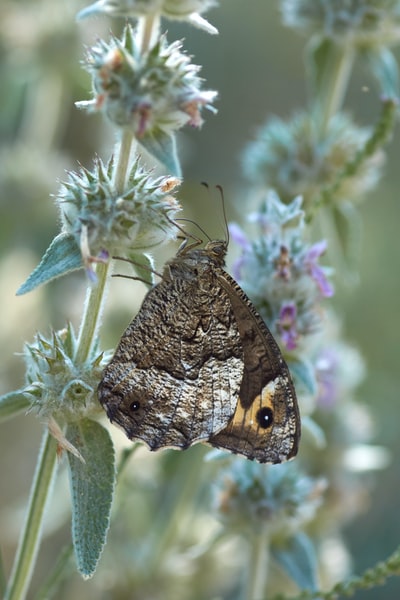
{"x":146,"y":92}
{"x":105,"y":223}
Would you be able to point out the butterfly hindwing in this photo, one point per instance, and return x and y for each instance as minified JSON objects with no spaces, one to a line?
{"x":266,"y":423}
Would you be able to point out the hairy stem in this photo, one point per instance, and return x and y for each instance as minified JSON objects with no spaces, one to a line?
{"x":148,"y":28}
{"x":257,"y":572}
{"x":92,"y":313}
{"x":121,"y":168}
{"x":31,"y":533}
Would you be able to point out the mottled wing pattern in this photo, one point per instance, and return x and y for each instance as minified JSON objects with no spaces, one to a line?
{"x":266,"y":423}
{"x":175,"y":377}
{"x":199,"y":364}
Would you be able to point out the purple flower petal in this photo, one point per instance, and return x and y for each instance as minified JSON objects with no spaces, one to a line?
{"x":103,"y":255}
{"x":238,"y":236}
{"x":322,"y":282}
{"x":316,"y":251}
{"x":326,"y":367}
{"x":237,"y":267}
{"x":91,"y":274}
{"x":287,"y":325}
{"x":316,"y":271}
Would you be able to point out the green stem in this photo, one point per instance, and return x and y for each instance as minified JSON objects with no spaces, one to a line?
{"x":333,"y":88}
{"x":31,"y":533}
{"x":170,"y":520}
{"x":2,"y":577}
{"x":92,"y":313}
{"x":379,"y":136}
{"x":370,"y":579}
{"x":257,"y":573}
{"x":61,"y":570}
{"x":148,"y":28}
{"x":123,"y":161}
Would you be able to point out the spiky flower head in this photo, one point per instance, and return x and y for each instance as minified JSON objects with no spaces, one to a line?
{"x":182,"y":10}
{"x":363,"y":23}
{"x":280,"y":272}
{"x":248,"y":494}
{"x":58,"y":387}
{"x":293,"y":159}
{"x":146,"y":92}
{"x":104,"y":222}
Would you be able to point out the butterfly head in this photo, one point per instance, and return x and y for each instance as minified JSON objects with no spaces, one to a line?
{"x":216,"y":251}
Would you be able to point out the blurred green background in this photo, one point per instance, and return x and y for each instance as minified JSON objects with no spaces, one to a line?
{"x":257,"y":67}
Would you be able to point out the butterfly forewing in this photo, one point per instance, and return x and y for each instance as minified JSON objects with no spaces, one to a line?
{"x":176,"y":374}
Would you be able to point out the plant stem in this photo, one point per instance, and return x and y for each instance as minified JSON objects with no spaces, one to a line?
{"x":61,"y":570}
{"x":379,"y":136}
{"x":335,"y":83}
{"x":169,"y":521}
{"x":257,"y":573}
{"x":148,"y":28}
{"x":92,"y":313}
{"x":2,"y":577}
{"x":31,"y":534}
{"x":123,"y":161}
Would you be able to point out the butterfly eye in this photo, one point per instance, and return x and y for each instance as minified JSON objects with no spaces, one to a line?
{"x":134,"y":406}
{"x":265,"y":417}
{"x":219,"y":249}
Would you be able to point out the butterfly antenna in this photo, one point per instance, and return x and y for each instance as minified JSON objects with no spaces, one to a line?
{"x":198,"y":227}
{"x":142,"y":266}
{"x":186,"y":234}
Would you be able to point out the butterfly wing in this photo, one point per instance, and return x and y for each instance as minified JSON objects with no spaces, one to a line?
{"x":175,"y":377}
{"x":266,"y":422}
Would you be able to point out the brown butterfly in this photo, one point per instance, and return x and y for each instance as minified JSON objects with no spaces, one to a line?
{"x":198,"y":364}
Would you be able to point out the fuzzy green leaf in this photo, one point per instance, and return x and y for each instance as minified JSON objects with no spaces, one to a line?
{"x":162,"y":146}
{"x":92,"y":487}
{"x":385,"y":68}
{"x":12,"y":404}
{"x":61,"y":257}
{"x":144,"y":267}
{"x":297,"y":558}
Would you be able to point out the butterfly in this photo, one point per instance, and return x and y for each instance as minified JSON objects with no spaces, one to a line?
{"x":198,"y":364}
